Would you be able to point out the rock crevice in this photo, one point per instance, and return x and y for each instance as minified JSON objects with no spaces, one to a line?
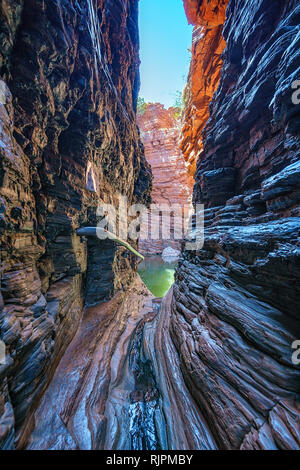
{"x":68,"y":142}
{"x":211,"y":366}
{"x":234,"y":314}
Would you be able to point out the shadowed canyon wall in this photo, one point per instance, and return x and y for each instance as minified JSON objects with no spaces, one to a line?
{"x":160,"y":130}
{"x":211,"y":368}
{"x":68,"y":140}
{"x":235,"y":309}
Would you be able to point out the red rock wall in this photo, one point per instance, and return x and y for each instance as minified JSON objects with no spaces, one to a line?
{"x":208,"y":45}
{"x":212,"y":369}
{"x":235,"y":308}
{"x":160,"y":129}
{"x":68,"y":139}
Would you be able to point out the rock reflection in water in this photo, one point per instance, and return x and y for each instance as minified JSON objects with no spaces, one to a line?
{"x":157,"y":275}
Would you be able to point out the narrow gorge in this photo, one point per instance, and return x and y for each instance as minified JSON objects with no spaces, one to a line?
{"x":172,"y":184}
{"x":91,"y":359}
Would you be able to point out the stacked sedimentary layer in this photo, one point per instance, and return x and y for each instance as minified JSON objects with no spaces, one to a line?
{"x":214,"y":368}
{"x":68,"y":139}
{"x":160,"y":130}
{"x":113,"y":389}
{"x":207,"y":47}
{"x":91,"y":401}
{"x":235,"y":309}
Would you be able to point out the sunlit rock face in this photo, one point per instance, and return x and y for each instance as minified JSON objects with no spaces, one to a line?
{"x":160,"y":130}
{"x":208,"y":45}
{"x":68,"y":139}
{"x":235,"y":309}
{"x":214,"y":367}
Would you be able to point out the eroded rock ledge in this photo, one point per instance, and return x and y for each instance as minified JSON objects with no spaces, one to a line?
{"x":68,"y":140}
{"x":90,"y":401}
{"x":119,"y":385}
{"x":235,"y":310}
{"x":213,"y":367}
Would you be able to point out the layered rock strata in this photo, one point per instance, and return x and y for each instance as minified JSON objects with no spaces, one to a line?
{"x":89,"y":400}
{"x":212,"y":367}
{"x":208,"y":44}
{"x":112,"y":388}
{"x":235,"y":310}
{"x":172,"y":185}
{"x":68,"y":141}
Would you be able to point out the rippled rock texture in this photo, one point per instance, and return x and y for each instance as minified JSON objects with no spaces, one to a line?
{"x":212,"y":366}
{"x":160,"y":131}
{"x":68,"y":138}
{"x":208,"y":44}
{"x":113,"y":389}
{"x":98,"y":388}
{"x":235,"y":309}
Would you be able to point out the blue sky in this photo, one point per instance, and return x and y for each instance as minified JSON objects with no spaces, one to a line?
{"x":165,"y":38}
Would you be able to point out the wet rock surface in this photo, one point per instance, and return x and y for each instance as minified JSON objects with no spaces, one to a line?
{"x":68,"y":140}
{"x":103,"y":394}
{"x":210,"y":366}
{"x":234,"y":313}
{"x":119,"y":384}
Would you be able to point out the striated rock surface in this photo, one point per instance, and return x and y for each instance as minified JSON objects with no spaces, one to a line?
{"x":93,"y":392}
{"x":208,"y":17}
{"x":111,"y":389}
{"x":211,"y":366}
{"x":160,"y":130}
{"x":68,"y":140}
{"x":235,"y":309}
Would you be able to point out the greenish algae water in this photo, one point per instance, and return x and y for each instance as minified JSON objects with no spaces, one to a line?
{"x":157,"y":275}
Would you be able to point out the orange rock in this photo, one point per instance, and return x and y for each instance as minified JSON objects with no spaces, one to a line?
{"x":208,"y":13}
{"x":205,"y":71}
{"x":160,"y":131}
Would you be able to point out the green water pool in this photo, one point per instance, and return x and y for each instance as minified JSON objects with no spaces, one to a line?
{"x":157,"y":275}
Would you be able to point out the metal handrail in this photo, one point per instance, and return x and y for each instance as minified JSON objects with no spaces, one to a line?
{"x":96,"y":231}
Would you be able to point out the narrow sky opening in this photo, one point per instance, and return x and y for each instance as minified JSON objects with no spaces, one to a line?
{"x":165,"y":38}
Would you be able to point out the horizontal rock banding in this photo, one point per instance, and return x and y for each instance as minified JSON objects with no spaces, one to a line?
{"x":160,"y":130}
{"x":208,"y":44}
{"x":68,"y":141}
{"x":234,"y":315}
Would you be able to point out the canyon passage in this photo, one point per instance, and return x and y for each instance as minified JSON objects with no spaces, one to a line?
{"x":91,"y":358}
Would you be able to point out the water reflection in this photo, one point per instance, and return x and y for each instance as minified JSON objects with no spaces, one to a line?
{"x":157,"y":275}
